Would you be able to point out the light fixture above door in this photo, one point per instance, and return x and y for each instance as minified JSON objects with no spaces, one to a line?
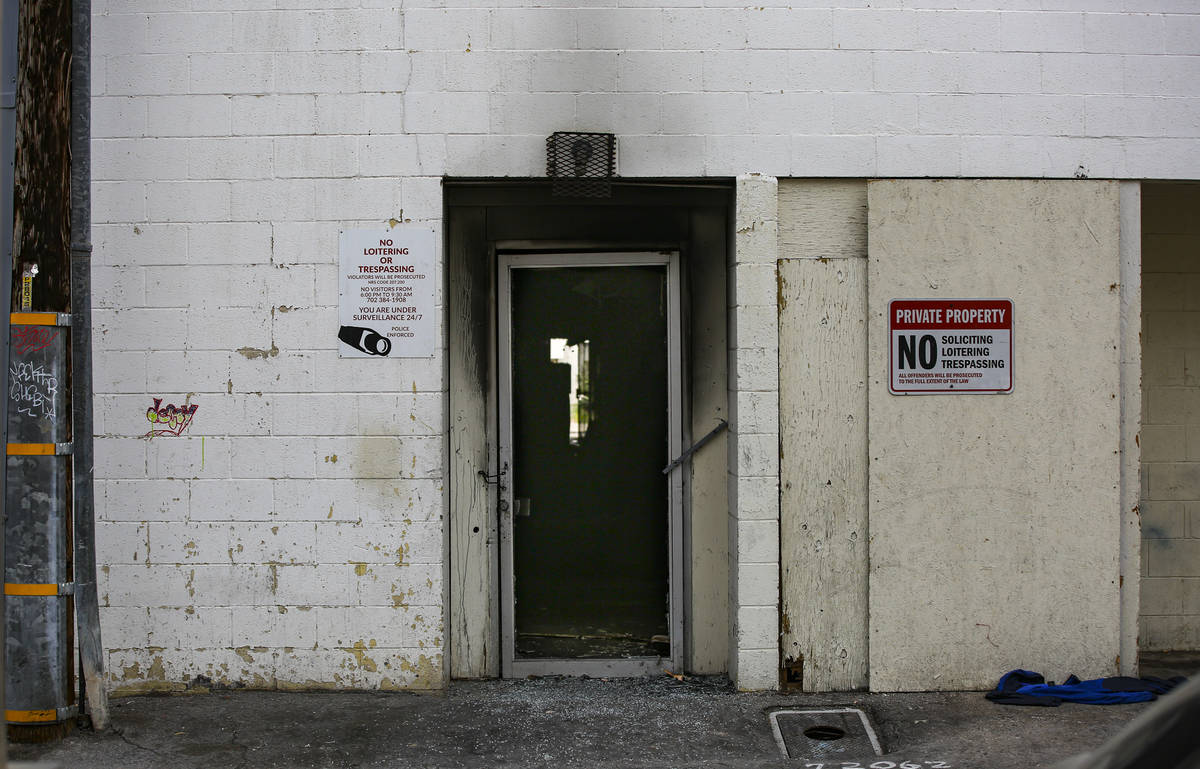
{"x":581,"y":164}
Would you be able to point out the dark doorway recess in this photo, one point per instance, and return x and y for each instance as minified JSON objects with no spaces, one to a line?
{"x":589,"y":422}
{"x":646,"y":608}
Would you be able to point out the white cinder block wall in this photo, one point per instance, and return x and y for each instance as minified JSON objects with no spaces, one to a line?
{"x":1170,"y":504}
{"x":753,"y":445}
{"x":292,"y":536}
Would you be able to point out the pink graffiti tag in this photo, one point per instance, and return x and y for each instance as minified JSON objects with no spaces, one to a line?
{"x":170,"y":419}
{"x":31,"y":338}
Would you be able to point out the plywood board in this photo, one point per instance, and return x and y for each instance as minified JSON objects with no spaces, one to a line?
{"x":995,"y":519}
{"x":822,"y":218}
{"x":823,"y":469}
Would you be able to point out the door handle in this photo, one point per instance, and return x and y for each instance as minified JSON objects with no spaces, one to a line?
{"x":497,"y":478}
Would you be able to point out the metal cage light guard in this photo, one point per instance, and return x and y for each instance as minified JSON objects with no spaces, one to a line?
{"x":581,"y":164}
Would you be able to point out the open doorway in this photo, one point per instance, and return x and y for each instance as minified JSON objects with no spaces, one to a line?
{"x":587,"y":345}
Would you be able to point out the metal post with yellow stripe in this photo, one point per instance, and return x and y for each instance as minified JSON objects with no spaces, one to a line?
{"x":38,"y":578}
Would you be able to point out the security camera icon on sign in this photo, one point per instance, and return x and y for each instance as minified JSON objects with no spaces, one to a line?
{"x":365,"y":339}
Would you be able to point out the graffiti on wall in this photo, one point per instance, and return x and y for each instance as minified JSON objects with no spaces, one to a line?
{"x":27,"y":339}
{"x":33,"y":390}
{"x":169,"y":419}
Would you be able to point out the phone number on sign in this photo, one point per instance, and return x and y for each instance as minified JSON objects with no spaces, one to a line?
{"x":882,"y":765}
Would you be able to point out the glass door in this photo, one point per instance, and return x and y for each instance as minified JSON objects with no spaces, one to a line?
{"x":590,"y":525}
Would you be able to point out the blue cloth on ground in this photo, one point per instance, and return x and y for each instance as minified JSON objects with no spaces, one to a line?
{"x":1092,"y":692}
{"x":1024,"y":687}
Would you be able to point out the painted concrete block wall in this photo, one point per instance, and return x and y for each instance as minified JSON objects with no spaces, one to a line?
{"x":233,"y":140}
{"x":995,"y":519}
{"x":753,"y":441}
{"x":1170,"y":435}
{"x":899,"y":88}
{"x":291,"y":535}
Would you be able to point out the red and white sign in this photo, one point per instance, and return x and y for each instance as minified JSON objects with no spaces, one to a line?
{"x":950,"y":346}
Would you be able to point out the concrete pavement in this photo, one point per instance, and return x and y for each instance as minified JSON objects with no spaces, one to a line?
{"x":557,"y":722}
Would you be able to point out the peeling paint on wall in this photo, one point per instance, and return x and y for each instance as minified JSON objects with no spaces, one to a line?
{"x":250,"y":353}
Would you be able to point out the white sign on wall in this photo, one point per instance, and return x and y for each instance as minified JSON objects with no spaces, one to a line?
{"x":387,"y":293}
{"x":950,"y":346}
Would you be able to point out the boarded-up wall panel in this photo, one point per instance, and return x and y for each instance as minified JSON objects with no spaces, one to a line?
{"x":995,"y":519}
{"x":823,"y":430}
{"x":823,"y":466}
{"x":822,"y":218}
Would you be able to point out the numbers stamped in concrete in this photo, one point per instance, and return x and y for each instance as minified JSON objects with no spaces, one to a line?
{"x":881,"y":765}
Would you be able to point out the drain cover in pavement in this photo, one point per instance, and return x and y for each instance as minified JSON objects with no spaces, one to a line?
{"x":828,"y":733}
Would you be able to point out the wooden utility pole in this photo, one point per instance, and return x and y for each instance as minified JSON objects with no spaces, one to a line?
{"x":8,"y":123}
{"x":42,"y":175}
